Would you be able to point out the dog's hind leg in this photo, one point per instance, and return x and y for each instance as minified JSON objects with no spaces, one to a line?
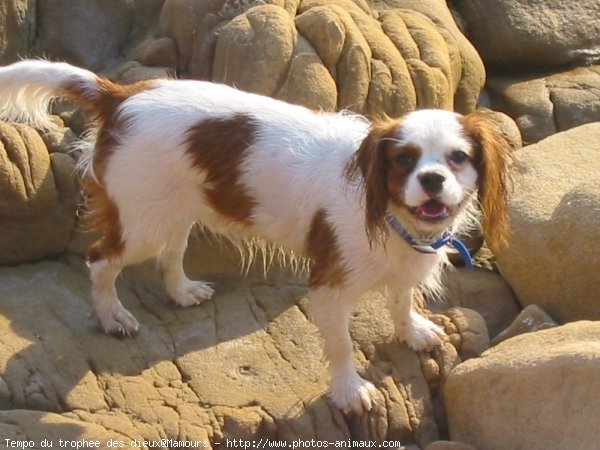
{"x":180,"y":289}
{"x":106,"y":263}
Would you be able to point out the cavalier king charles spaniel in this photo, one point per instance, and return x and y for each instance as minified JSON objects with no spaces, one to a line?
{"x":371,"y":205}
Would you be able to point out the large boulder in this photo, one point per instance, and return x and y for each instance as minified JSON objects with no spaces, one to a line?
{"x":247,"y":364}
{"x":92,"y":33}
{"x":484,"y":291}
{"x":535,"y":391}
{"x":39,"y":195}
{"x":529,"y":34}
{"x":329,"y":55}
{"x":544,"y":105}
{"x":554,"y":252}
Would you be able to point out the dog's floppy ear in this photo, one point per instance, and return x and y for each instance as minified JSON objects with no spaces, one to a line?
{"x":368,"y":164}
{"x":493,"y":163}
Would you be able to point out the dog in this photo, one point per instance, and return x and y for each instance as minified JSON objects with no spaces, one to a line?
{"x":371,"y":205}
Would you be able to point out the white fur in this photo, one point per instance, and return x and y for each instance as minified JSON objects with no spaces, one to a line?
{"x":294,"y":169}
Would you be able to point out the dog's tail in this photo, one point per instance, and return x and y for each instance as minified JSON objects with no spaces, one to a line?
{"x":27,"y":89}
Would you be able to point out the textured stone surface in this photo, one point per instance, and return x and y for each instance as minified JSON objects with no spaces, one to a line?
{"x":87,"y":23}
{"x":544,"y":105}
{"x":534,"y":391}
{"x":484,"y":291}
{"x":532,"y":318}
{"x":247,"y":364}
{"x":36,"y":428}
{"x":329,"y":54}
{"x":555,"y":211}
{"x":533,"y":33}
{"x":38,"y":202}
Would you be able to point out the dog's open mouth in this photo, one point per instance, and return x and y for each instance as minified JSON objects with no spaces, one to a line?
{"x":432,"y":211}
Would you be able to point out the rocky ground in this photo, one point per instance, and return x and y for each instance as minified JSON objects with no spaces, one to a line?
{"x":519,"y":368}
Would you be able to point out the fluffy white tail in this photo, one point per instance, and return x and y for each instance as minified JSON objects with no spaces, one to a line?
{"x":27,"y":88}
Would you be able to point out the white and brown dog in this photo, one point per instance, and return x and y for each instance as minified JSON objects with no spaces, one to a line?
{"x":353,"y":197}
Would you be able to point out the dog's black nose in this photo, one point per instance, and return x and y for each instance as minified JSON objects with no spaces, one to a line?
{"x":432,"y":182}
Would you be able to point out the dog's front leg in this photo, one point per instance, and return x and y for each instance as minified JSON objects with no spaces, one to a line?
{"x":419,"y":332}
{"x":331,"y":314}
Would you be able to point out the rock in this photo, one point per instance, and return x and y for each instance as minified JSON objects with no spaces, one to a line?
{"x":534,"y":391}
{"x":87,"y":23}
{"x":253,"y":341}
{"x":191,"y":24}
{"x":329,"y":55}
{"x":481,"y":290}
{"x":473,"y":337}
{"x":37,"y":208}
{"x":544,"y":105}
{"x":554,"y":211}
{"x":308,"y":79}
{"x":532,"y":318}
{"x":39,"y":428}
{"x":160,"y":52}
{"x":509,"y":128}
{"x":17,"y":29}
{"x":237,"y":61}
{"x":132,"y":71}
{"x":533,"y":33}
{"x":59,"y":139}
{"x":466,"y":64}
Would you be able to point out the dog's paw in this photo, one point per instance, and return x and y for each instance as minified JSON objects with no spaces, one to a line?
{"x":422,"y":334}
{"x":354,"y":395}
{"x":118,"y":321}
{"x":191,"y":293}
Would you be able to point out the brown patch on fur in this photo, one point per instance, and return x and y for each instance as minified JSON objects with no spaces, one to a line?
{"x":371,"y":161}
{"x":397,"y":174}
{"x":102,"y":102}
{"x":102,"y":214}
{"x":322,"y":247}
{"x":218,"y":147}
{"x":492,"y":161}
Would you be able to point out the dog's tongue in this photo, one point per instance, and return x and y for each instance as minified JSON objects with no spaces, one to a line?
{"x":432,"y":208}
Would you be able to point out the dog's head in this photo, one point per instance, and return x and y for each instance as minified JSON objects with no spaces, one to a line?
{"x":426,"y":167}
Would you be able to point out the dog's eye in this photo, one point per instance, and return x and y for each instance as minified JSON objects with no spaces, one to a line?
{"x":404,"y":159}
{"x":458,"y":157}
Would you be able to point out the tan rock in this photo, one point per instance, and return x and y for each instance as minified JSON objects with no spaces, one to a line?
{"x":86,"y":23}
{"x":544,"y":105}
{"x":132,"y":71}
{"x":466,"y":68}
{"x":160,"y":52}
{"x":37,"y":208}
{"x":238,"y":63}
{"x":532,"y":318}
{"x":374,"y":64}
{"x":533,"y":33}
{"x":44,"y":428}
{"x":247,"y":364}
{"x":484,"y":291}
{"x":308,"y":82}
{"x":554,"y":211}
{"x":534,"y":391}
{"x":191,"y":24}
{"x":471,"y":328}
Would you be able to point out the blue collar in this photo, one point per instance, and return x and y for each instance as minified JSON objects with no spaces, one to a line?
{"x":445,"y":239}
